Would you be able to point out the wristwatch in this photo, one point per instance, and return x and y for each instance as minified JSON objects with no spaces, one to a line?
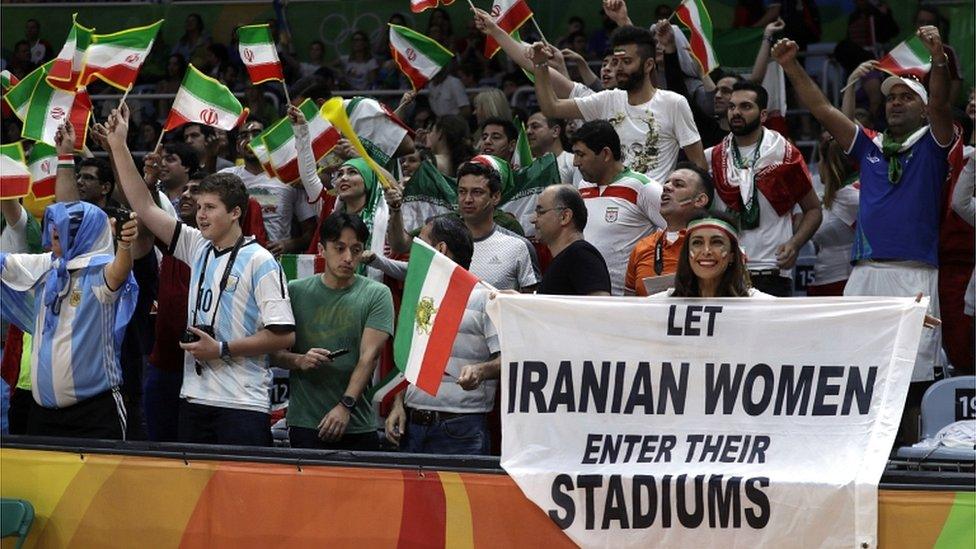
{"x":224,"y":349}
{"x":348,"y":402}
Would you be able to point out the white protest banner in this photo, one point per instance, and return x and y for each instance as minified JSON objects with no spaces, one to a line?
{"x":704,"y":423}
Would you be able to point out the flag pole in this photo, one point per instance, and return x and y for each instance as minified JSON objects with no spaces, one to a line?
{"x":284,"y":86}
{"x":537,"y":29}
{"x":159,"y":141}
{"x":124,"y":95}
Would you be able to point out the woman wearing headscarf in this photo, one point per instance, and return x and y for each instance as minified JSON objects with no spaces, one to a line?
{"x":76,"y":301}
{"x":359,"y":192}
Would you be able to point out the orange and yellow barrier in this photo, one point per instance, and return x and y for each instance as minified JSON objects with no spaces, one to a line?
{"x":99,"y":500}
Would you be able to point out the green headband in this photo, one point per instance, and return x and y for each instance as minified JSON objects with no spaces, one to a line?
{"x":713,"y":223}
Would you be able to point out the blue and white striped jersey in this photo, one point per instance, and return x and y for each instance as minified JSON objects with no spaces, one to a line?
{"x":256,"y":296}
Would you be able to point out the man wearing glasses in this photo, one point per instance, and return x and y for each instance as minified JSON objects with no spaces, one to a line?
{"x":577,"y":267}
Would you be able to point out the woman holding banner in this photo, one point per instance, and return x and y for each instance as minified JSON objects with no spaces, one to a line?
{"x":711,"y":263}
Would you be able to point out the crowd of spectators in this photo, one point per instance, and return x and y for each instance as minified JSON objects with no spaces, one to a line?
{"x":660,"y":171}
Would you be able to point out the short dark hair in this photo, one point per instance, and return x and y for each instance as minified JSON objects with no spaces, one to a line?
{"x":188,"y":157}
{"x":477,"y":168}
{"x":641,"y":37}
{"x":721,"y":73}
{"x":332,"y":227}
{"x":561,"y":124}
{"x":455,"y":234}
{"x":570,"y":198}
{"x":597,"y":135}
{"x":507,"y":126}
{"x":762,"y":96}
{"x":707,"y":185}
{"x":206,"y":130}
{"x":104,"y":170}
{"x":229,"y":188}
{"x":318,"y":90}
{"x":198,"y":175}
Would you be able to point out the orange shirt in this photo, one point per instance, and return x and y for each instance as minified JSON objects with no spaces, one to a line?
{"x":641,"y":264}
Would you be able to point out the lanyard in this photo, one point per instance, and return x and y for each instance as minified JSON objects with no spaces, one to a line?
{"x":659,"y":254}
{"x":223,"y":279}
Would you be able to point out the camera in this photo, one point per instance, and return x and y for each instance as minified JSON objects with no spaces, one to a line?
{"x":121,"y":216}
{"x":190,"y":337}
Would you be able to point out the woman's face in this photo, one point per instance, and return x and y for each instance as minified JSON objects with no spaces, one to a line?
{"x":410,"y":163}
{"x":359,"y":42}
{"x":349,"y":184}
{"x":709,"y":253}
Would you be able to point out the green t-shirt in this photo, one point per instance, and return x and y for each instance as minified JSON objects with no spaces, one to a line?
{"x":333,"y":319}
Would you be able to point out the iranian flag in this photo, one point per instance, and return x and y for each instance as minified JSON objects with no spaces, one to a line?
{"x":258,"y":53}
{"x":418,"y":6}
{"x":15,"y":178}
{"x":387,"y":388}
{"x":509,"y":15}
{"x":694,"y":16}
{"x":523,"y":152}
{"x":66,"y":71}
{"x":7,"y":80}
{"x":206,"y":101}
{"x":50,"y":107}
{"x":279,"y":140}
{"x":116,"y":58}
{"x":910,"y":58}
{"x":419,"y":57}
{"x":43,"y":166}
{"x":297,"y":266}
{"x":435,"y":295}
{"x":18,"y":97}
{"x":260,"y":151}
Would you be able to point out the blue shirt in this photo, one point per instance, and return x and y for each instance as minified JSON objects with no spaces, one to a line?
{"x":899,"y":221}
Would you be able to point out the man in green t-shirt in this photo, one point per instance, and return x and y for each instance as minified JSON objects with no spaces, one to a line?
{"x":342,"y":321}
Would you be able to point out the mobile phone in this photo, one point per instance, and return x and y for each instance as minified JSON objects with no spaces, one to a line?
{"x":337,"y":353}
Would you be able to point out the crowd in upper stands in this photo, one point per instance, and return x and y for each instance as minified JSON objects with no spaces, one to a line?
{"x":165,"y":297}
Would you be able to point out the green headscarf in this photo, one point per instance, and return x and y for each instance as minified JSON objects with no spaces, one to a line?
{"x":374,"y":195}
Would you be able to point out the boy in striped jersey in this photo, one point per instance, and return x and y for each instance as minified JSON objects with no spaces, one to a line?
{"x":76,"y":301}
{"x":623,"y":206}
{"x":239,"y":309}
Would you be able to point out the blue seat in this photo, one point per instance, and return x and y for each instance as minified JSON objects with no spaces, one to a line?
{"x":16,"y":517}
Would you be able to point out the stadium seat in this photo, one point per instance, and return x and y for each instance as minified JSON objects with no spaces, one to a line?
{"x":939,"y":404}
{"x":16,"y":516}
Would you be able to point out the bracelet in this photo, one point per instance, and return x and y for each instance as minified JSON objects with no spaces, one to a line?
{"x":945,"y":61}
{"x":66,"y":165}
{"x":540,"y":65}
{"x":66,"y":158}
{"x":124,"y":247}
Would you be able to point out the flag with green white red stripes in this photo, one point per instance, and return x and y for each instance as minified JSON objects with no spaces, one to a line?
{"x":203,"y":100}
{"x":419,"y":57}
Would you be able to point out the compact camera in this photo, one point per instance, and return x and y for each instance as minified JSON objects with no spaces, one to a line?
{"x":121,"y":216}
{"x":190,"y":337}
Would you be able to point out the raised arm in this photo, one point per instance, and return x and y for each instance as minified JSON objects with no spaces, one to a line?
{"x":131,"y":181}
{"x":118,"y":270}
{"x":811,"y":97}
{"x":762,"y":57}
{"x":549,"y":103}
{"x":616,"y":10}
{"x":939,"y":109}
{"x":65,"y":185}
{"x":848,"y":102}
{"x":307,"y":169}
{"x":516,"y":51}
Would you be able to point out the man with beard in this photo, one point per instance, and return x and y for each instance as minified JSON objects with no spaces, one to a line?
{"x":760,"y":177}
{"x":280,"y":203}
{"x":903,"y":176}
{"x":652,"y":124}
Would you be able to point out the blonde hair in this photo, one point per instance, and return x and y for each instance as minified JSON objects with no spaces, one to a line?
{"x":491,"y":104}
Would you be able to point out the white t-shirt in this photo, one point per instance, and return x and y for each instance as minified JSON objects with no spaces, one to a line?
{"x":618,"y":216}
{"x":279,"y":202}
{"x":651,"y":134}
{"x":357,"y":72}
{"x":476,"y":341}
{"x":580,"y":90}
{"x":447,"y":97}
{"x":13,"y":238}
{"x":568,"y":173}
{"x":503,"y":261}
{"x":773,"y":231}
{"x":835,"y":237}
{"x":256,"y":296}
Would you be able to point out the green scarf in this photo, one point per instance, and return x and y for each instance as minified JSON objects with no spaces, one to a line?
{"x":374,"y":194}
{"x":891,"y":149}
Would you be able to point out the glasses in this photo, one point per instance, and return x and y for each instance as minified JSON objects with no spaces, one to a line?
{"x":540,"y":212}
